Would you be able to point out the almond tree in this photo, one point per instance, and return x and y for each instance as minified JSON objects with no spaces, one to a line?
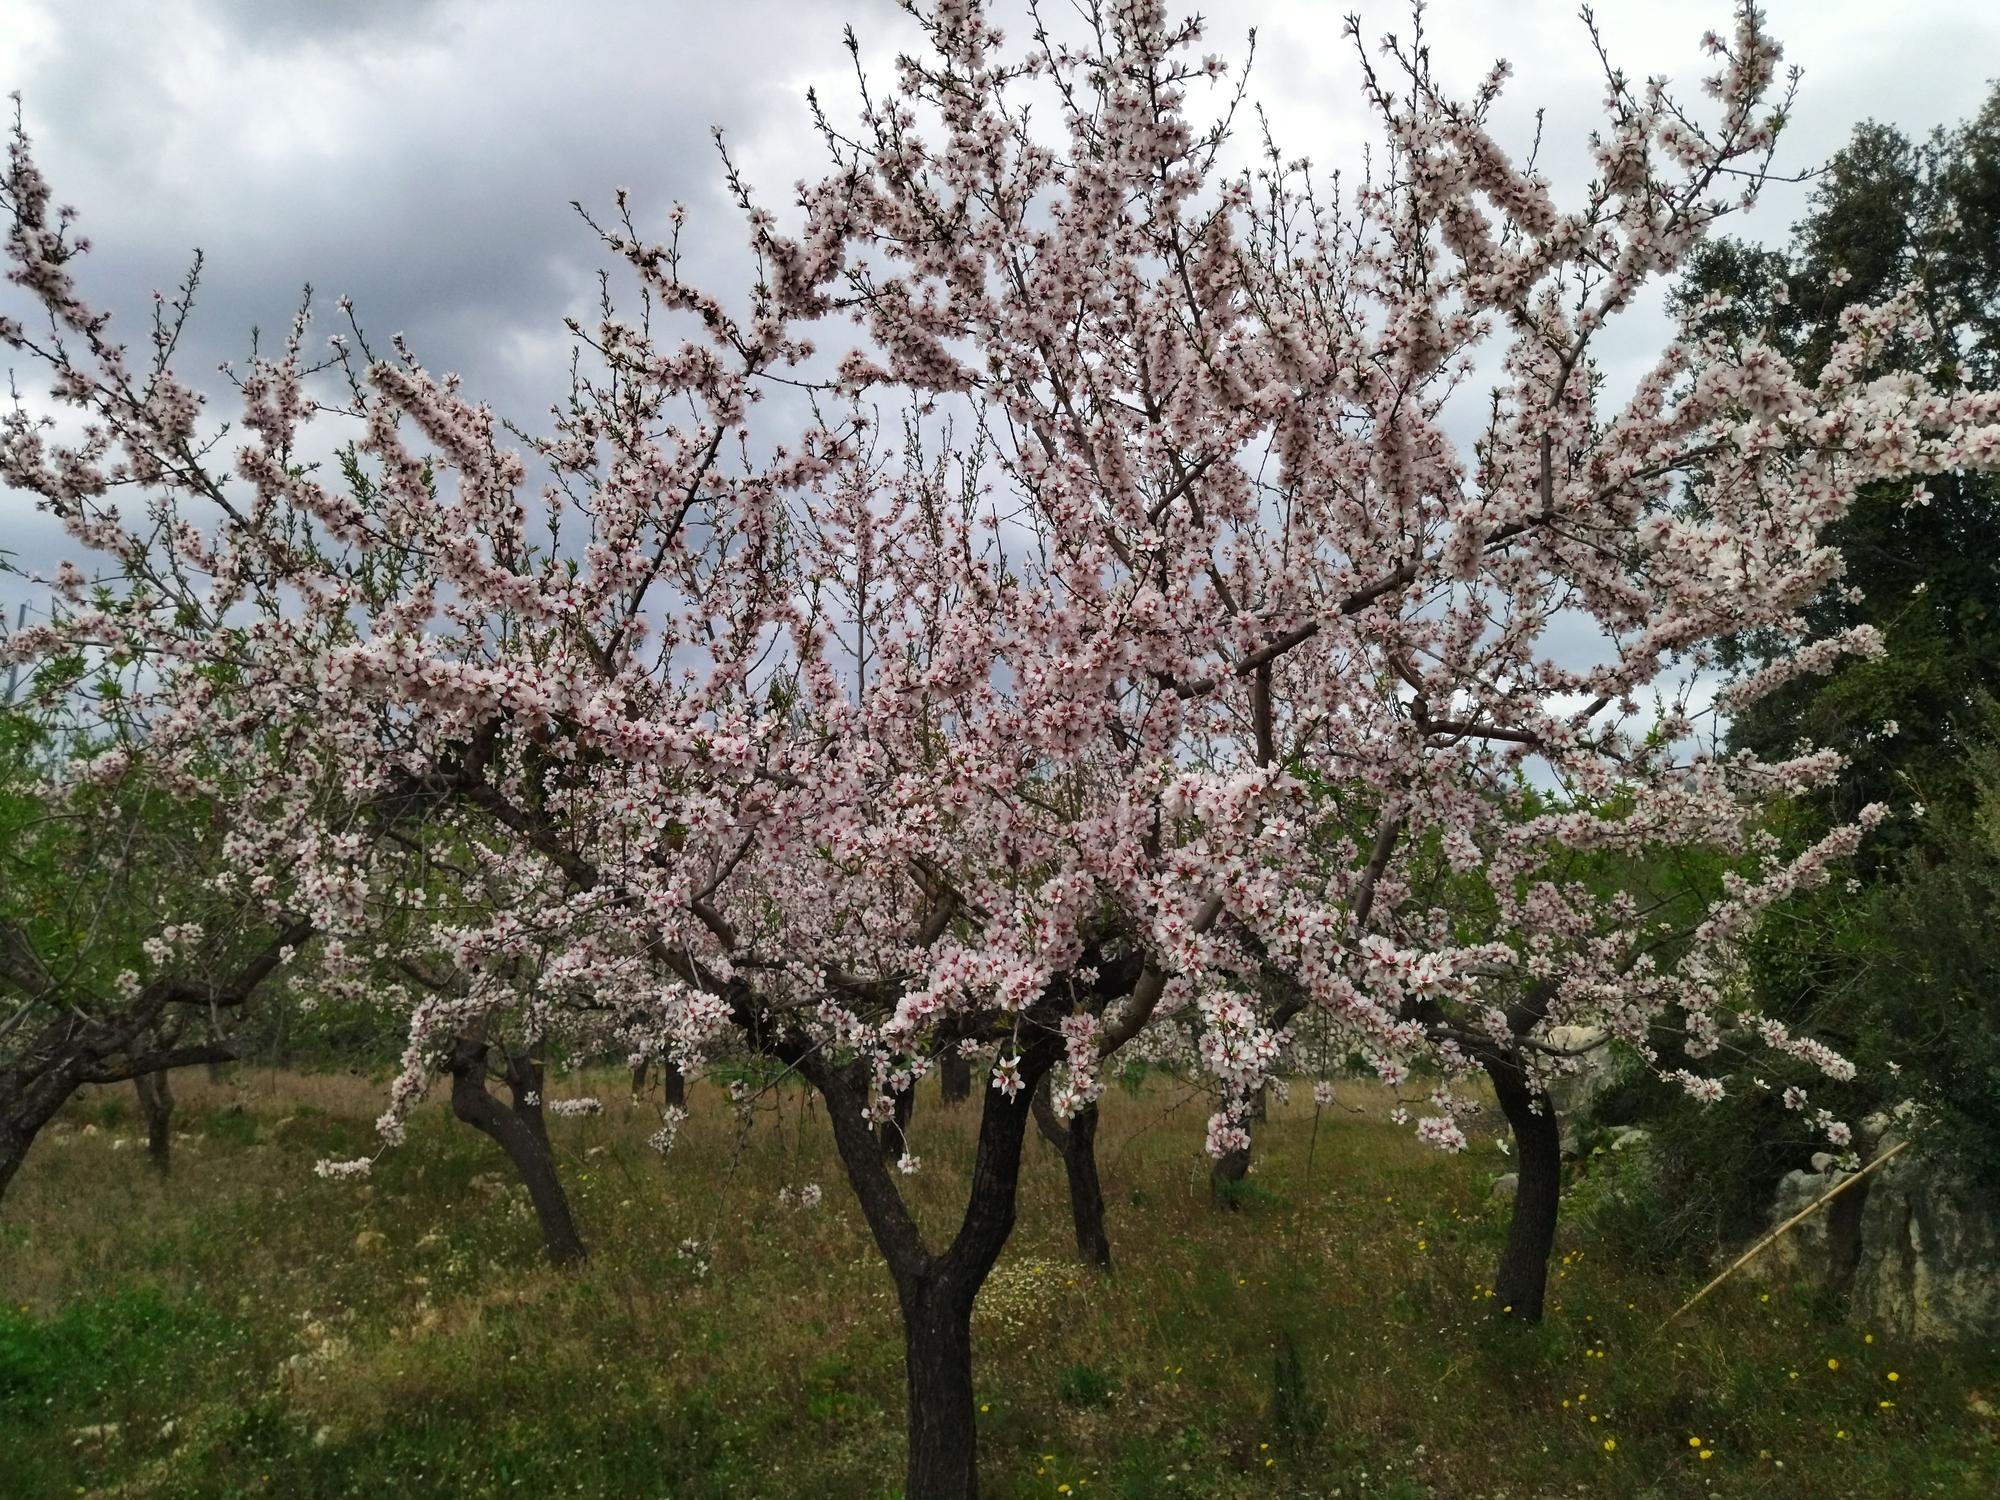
{"x":117,"y":960}
{"x":1164,"y":652}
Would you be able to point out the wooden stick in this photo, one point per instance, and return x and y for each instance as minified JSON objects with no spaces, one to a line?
{"x":1827,"y":1197}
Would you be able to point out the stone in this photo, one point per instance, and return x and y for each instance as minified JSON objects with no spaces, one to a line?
{"x":1587,"y":1074}
{"x":1812,"y":1248}
{"x":369,"y":1241}
{"x":1822,"y":1161}
{"x":1506,"y":1185}
{"x":1912,"y":1247}
{"x":1929,"y":1245}
{"x":1629,"y":1138}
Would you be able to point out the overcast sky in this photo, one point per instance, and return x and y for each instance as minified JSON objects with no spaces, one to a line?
{"x":420,"y":155}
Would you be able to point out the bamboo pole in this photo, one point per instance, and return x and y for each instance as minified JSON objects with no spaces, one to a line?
{"x":1811,"y":1208}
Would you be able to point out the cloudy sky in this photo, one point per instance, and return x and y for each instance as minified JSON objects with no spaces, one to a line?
{"x":421,"y":155}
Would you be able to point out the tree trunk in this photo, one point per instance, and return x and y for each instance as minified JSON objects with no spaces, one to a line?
{"x":1520,"y":1284}
{"x":936,"y":1291}
{"x":13,"y":1151}
{"x":676,"y":1084}
{"x":955,"y":1077}
{"x":895,"y":1132}
{"x":156,"y":1103}
{"x":675,"y":1081}
{"x":1077,"y":1142}
{"x":518,"y":1131}
{"x":937,"y":1367}
{"x":1225,"y":1178}
{"x":28,"y":1101}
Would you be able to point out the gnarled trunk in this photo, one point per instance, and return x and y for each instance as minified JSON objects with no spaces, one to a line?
{"x":156,"y":1103}
{"x":518,"y":1130}
{"x":1076,"y":1140}
{"x":1520,"y":1284}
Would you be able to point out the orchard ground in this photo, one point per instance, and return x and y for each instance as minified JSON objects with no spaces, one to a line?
{"x":242,"y":1328}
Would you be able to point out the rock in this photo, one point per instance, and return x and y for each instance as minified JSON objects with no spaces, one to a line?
{"x":100,"y":1432}
{"x":1506,"y":1185}
{"x":1630,"y":1138}
{"x":1588,"y":1073}
{"x":1912,"y":1247}
{"x":1810,"y":1248}
{"x":1822,"y":1161}
{"x":1929,"y":1243}
{"x":369,"y":1241}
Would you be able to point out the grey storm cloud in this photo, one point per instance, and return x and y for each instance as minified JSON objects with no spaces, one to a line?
{"x":420,"y":156}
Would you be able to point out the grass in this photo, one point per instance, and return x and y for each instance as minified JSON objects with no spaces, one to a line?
{"x":245,"y":1329}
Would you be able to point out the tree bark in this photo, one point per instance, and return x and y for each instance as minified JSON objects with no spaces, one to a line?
{"x":30,"y":1097}
{"x":1225,"y":1178}
{"x":675,"y":1082}
{"x":156,"y":1103}
{"x":895,"y":1132}
{"x":954,"y":1077}
{"x":518,"y":1130}
{"x":1520,"y":1284}
{"x":936,"y":1291}
{"x":1077,"y":1143}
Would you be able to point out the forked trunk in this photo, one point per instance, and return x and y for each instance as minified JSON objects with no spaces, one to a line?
{"x":1076,"y":1140}
{"x":936,"y":1291}
{"x":518,"y":1130}
{"x":156,"y":1103}
{"x":1520,"y":1284}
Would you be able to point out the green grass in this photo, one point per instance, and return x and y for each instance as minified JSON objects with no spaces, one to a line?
{"x":229,"y":1331}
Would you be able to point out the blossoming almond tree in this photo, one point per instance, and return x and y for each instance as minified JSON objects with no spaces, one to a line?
{"x":1162,"y":658}
{"x":117,"y":959}
{"x":1224,"y":418}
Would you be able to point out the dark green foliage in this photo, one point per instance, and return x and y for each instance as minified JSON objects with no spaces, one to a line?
{"x":1903,"y":970}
